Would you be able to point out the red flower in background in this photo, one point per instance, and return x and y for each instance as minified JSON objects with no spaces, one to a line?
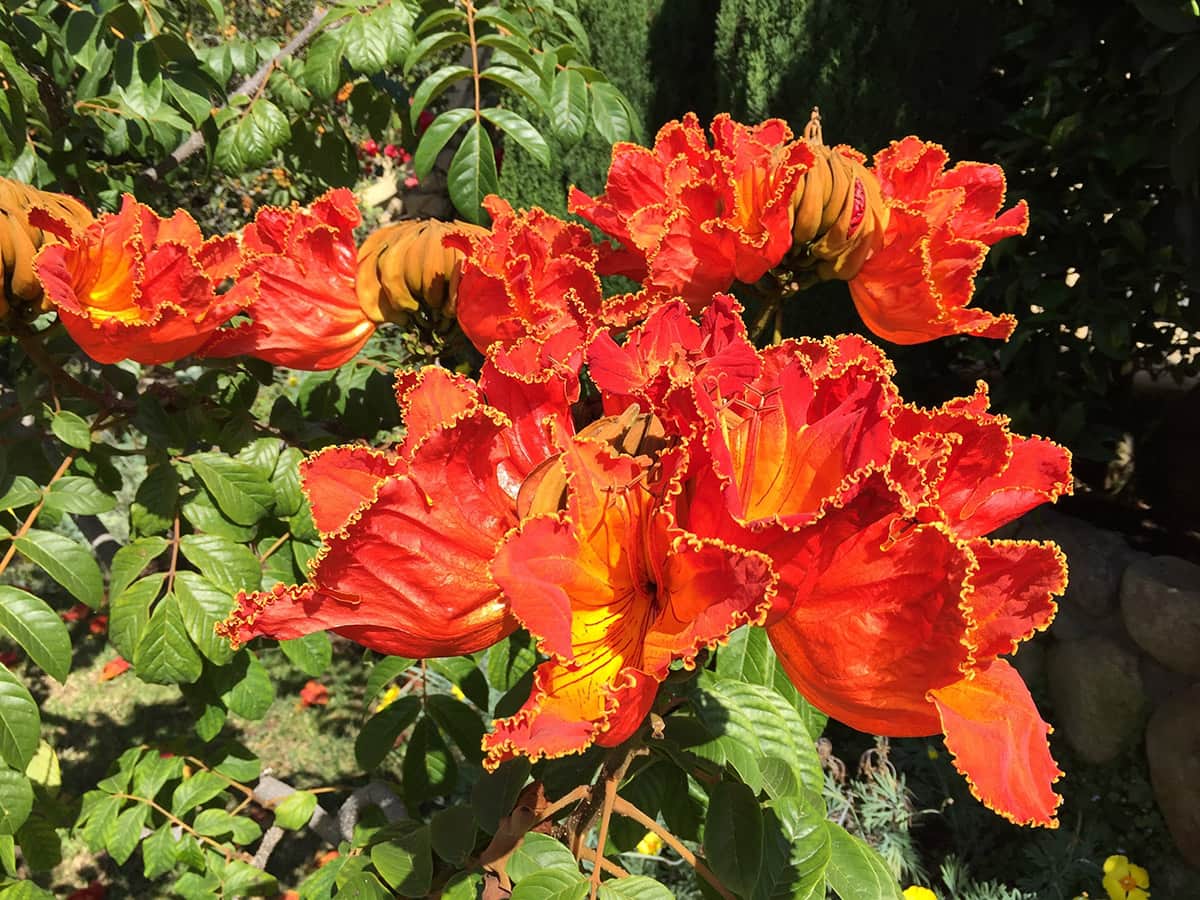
{"x":314,"y":694}
{"x":96,"y":890}
{"x":136,"y":286}
{"x":296,"y":282}
{"x":113,"y":668}
{"x":940,"y":225}
{"x":691,"y":218}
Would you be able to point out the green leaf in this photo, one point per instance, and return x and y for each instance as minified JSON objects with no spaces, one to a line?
{"x":524,"y":83}
{"x":285,"y":480}
{"x":855,"y":871}
{"x":429,"y":768}
{"x":569,"y":106}
{"x":473,"y":174}
{"x":406,"y":862}
{"x":41,"y":846}
{"x":66,"y":561}
{"x":610,"y":114}
{"x":244,"y":686}
{"x":733,"y":835}
{"x":510,"y":660}
{"x":201,"y":510}
{"x":436,"y":136}
{"x":25,"y":890}
{"x":295,"y":810}
{"x":16,"y":800}
{"x":37,"y":629}
{"x":460,"y":723}
{"x":44,"y":770}
{"x":452,"y":832}
{"x":22,"y":492}
{"x":382,"y":673}
{"x":129,"y":562}
{"x":495,"y":794}
{"x":218,"y":822}
{"x":323,"y":64}
{"x":520,"y":131}
{"x":499,"y":18}
{"x":237,"y":761}
{"x":635,"y":887}
{"x":201,"y":787}
{"x":130,"y":612}
{"x":795,"y":850}
{"x":123,"y":835}
{"x":555,"y":884}
{"x":432,"y":86}
{"x":310,"y":654}
{"x":518,"y":52}
{"x":165,"y":654}
{"x":364,"y":886}
{"x":72,"y":430}
{"x":202,"y":605}
{"x":378,"y":736}
{"x":97,"y":819}
{"x":159,"y":853}
{"x":78,"y":494}
{"x":156,"y":501}
{"x":240,"y":879}
{"x":432,"y":43}
{"x":239,"y":489}
{"x":153,"y":771}
{"x":231,"y":567}
{"x":539,"y":853}
{"x":20,"y":722}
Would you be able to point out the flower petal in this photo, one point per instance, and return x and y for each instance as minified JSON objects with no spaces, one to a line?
{"x":338,"y":481}
{"x":1012,"y":593}
{"x":999,"y":743}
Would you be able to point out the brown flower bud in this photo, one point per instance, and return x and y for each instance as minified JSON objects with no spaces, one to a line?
{"x":405,"y":273}
{"x":839,"y":215}
{"x":20,"y":240}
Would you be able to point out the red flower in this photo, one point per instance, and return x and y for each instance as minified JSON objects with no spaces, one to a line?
{"x":940,"y":225}
{"x":113,"y":668}
{"x":314,"y":694}
{"x":135,"y":286}
{"x":98,"y":624}
{"x":409,"y":537}
{"x":9,"y":657}
{"x":296,"y":280}
{"x":533,"y":277}
{"x":96,"y":890}
{"x":369,"y":146}
{"x":691,"y":218}
{"x":75,"y":613}
{"x":613,"y":589}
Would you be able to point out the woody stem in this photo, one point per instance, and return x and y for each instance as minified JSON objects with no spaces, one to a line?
{"x":625,"y":808}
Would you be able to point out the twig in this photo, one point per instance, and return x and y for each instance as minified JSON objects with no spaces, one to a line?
{"x":625,"y":808}
{"x":195,"y":141}
{"x":174,"y":556}
{"x":470,"y":9}
{"x":33,"y":513}
{"x":175,"y":820}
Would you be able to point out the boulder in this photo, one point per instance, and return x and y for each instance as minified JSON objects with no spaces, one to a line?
{"x":1173,"y":750}
{"x":1097,"y":695}
{"x":1160,"y":605}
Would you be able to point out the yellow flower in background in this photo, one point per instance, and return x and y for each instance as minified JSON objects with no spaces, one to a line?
{"x":390,"y":696}
{"x":651,"y":844}
{"x":456,"y":691}
{"x":1125,"y":881}
{"x":916,"y":892}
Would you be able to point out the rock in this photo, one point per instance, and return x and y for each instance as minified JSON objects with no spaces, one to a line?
{"x":1097,"y":695}
{"x":1173,"y":749}
{"x":1097,"y":559}
{"x":1160,"y":683}
{"x":1160,"y":604}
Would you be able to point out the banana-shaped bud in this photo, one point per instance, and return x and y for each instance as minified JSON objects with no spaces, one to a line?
{"x":20,"y":240}
{"x":405,"y":273}
{"x":839,"y":215}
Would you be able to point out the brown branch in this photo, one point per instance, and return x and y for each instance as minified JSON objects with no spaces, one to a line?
{"x":33,"y":513}
{"x":175,"y":820}
{"x":625,"y":808}
{"x":195,"y":141}
{"x":470,"y":8}
{"x":174,"y":556}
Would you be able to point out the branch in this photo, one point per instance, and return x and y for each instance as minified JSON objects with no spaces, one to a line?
{"x":195,"y":141}
{"x":623,"y":807}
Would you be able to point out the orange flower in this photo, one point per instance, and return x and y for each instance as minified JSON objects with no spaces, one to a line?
{"x":691,"y":218}
{"x":533,"y":276}
{"x":314,"y":694}
{"x":891,"y":608}
{"x":613,"y":589}
{"x":296,"y":280}
{"x":409,"y":537}
{"x":940,"y":225}
{"x":135,"y":286}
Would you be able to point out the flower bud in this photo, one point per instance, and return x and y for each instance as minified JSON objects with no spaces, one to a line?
{"x":405,"y":272}
{"x":20,"y":240}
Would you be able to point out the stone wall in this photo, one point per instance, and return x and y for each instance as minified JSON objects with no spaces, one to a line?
{"x":1122,"y":662}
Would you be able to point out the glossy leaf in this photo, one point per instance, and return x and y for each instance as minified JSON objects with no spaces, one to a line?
{"x":165,"y":654}
{"x":16,"y":800}
{"x":521,"y":131}
{"x":295,"y":810}
{"x":473,"y":174}
{"x":20,"y":722}
{"x":66,"y":561}
{"x":130,"y":561}
{"x":569,"y":106}
{"x":240,"y":491}
{"x":733,"y":835}
{"x":856,"y":871}
{"x":435,"y":138}
{"x":129,"y":613}
{"x":71,"y":429}
{"x":377,"y":737}
{"x":406,"y":862}
{"x":202,"y":605}
{"x":37,"y":629}
{"x":310,"y":654}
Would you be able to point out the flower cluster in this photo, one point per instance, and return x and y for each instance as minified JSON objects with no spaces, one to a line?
{"x":286,"y":288}
{"x":710,"y":485}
